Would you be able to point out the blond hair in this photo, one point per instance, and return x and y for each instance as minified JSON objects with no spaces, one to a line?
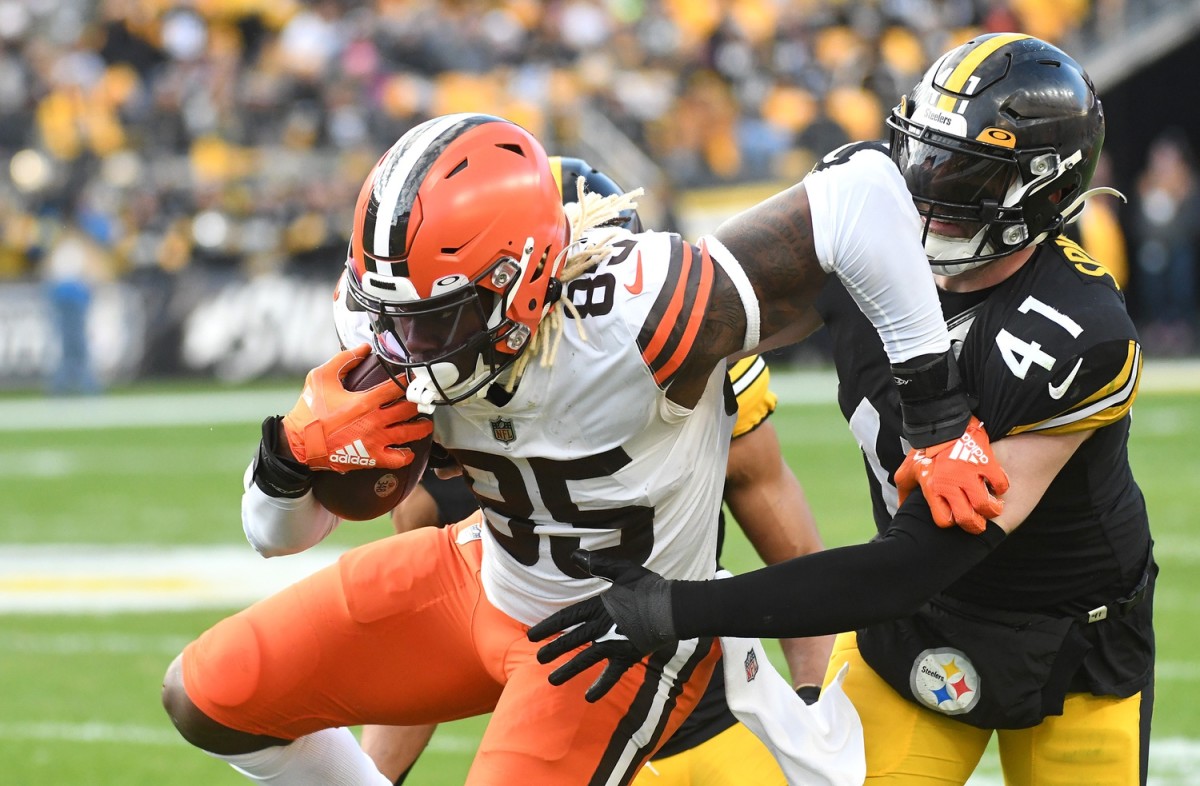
{"x":591,"y":212}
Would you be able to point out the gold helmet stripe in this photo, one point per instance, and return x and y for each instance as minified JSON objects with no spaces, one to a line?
{"x":962,"y":72}
{"x":556,"y":170}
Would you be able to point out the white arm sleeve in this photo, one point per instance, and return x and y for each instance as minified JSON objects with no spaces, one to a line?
{"x":867,"y":232}
{"x":276,"y":526}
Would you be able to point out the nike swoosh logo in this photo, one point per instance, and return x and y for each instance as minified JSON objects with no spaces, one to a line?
{"x":1058,"y":391}
{"x":636,"y":287}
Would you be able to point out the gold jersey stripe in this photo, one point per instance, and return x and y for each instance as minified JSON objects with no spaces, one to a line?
{"x":1132,"y":357}
{"x":751,"y":379}
{"x":962,"y":72}
{"x":1107,"y":405}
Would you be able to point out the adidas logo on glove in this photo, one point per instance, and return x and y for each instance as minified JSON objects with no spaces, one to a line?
{"x":967,"y":449}
{"x":355,"y":453}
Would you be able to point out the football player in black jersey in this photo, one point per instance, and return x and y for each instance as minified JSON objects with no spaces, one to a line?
{"x":769,"y":505}
{"x":1038,"y":627}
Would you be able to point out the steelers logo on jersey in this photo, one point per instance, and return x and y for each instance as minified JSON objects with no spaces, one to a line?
{"x":944,"y":679}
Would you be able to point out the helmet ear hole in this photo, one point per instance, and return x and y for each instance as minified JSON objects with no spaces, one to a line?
{"x":541,"y":265}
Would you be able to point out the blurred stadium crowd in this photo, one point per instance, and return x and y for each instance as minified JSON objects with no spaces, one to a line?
{"x":155,"y":136}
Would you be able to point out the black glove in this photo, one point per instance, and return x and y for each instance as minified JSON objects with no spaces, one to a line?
{"x":624,"y":624}
{"x":933,"y":403}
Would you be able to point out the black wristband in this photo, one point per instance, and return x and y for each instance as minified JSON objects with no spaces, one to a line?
{"x":809,"y":693}
{"x":440,"y":458}
{"x":934,"y":406}
{"x":275,"y":475}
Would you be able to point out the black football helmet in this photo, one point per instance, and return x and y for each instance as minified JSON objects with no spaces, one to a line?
{"x":568,"y":171}
{"x":997,"y":143}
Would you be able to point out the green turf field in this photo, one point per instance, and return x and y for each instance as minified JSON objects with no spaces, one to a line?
{"x":79,"y":692}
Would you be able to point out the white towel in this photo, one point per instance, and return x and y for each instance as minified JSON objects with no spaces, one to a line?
{"x":816,"y":745}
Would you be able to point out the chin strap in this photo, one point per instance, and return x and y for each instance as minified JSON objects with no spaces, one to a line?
{"x":1075,"y":208}
{"x":421,"y":390}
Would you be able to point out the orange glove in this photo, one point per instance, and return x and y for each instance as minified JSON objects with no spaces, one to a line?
{"x":334,"y":428}
{"x":961,"y":479}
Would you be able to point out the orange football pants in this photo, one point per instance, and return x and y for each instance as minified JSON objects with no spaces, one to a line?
{"x":399,"y":632}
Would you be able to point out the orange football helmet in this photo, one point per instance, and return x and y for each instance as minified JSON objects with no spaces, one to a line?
{"x":458,"y":237}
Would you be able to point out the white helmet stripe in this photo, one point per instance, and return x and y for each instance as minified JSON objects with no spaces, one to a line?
{"x":411,"y":147}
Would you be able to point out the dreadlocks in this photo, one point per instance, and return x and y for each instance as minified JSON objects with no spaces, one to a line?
{"x":590,"y":213}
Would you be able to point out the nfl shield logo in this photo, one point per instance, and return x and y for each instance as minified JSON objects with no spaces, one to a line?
{"x":751,"y":665}
{"x":502,"y":430}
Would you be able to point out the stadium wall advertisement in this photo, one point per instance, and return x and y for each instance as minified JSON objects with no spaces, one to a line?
{"x":197,"y":325}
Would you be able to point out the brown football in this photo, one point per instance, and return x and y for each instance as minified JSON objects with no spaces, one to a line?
{"x":364,"y":494}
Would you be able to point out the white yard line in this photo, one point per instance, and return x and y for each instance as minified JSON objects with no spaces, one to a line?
{"x":214,"y":408}
{"x":219,"y":407}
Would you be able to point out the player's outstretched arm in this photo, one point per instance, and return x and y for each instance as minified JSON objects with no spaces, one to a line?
{"x":831,"y":591}
{"x":856,"y":221}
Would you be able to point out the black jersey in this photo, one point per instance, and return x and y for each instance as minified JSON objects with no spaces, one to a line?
{"x":1049,"y":350}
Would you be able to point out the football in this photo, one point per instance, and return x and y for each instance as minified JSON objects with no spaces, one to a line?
{"x":365,"y":494}
{"x":366,"y":375}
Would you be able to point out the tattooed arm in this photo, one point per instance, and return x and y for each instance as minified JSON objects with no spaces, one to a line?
{"x":772,"y":243}
{"x":855,"y":220}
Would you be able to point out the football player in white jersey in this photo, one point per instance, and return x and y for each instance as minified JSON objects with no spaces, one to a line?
{"x":577,"y":373}
{"x":1037,"y":627}
{"x":766,"y":500}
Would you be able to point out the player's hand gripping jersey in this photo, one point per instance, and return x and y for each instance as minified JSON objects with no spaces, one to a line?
{"x":602,"y":425}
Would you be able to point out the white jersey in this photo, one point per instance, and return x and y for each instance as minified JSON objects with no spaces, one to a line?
{"x":589,"y":452}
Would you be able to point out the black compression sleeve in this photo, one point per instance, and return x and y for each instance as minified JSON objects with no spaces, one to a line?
{"x":836,"y":590}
